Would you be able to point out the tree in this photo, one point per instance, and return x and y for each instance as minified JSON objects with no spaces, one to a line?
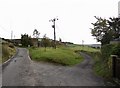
{"x":60,"y":40}
{"x":114,"y":24}
{"x":101,"y":30}
{"x":36,"y":33}
{"x":26,"y":40}
{"x":45,"y":41}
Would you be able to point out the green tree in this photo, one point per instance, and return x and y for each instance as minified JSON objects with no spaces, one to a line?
{"x":60,"y":40}
{"x":45,"y":41}
{"x":114,"y":25}
{"x":36,"y":35}
{"x":26,"y":40}
{"x":101,"y":31}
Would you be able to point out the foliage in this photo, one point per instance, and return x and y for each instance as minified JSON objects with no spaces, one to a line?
{"x":60,"y":40}
{"x":114,"y":24}
{"x":106,"y":51}
{"x":101,"y":67}
{"x":7,"y":52}
{"x":110,"y":49}
{"x":33,"y":47}
{"x":36,"y":33}
{"x":52,"y":43}
{"x":61,"y":55}
{"x":116,"y":50}
{"x":103,"y":61}
{"x":106,"y":30}
{"x":45,"y":41}
{"x":26,"y":40}
{"x":11,"y":45}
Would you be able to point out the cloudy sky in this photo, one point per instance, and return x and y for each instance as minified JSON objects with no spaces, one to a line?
{"x":75,"y":17}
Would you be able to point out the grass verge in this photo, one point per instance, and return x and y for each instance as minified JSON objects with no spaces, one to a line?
{"x":8,"y":50}
{"x":61,"y":55}
{"x":101,"y":67}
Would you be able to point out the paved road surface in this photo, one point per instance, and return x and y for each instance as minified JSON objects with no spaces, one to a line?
{"x":21,"y":71}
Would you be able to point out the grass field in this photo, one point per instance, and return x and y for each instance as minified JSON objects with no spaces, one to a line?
{"x":61,"y":55}
{"x":84,"y":48}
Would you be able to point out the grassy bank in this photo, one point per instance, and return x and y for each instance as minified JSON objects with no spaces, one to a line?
{"x":101,"y":67}
{"x":8,"y":50}
{"x":61,"y":55}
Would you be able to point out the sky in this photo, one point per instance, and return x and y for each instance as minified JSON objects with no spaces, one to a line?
{"x":74,"y":18}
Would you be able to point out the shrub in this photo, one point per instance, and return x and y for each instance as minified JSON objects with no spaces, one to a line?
{"x":11,"y":45}
{"x":106,"y":51}
{"x":5,"y":51}
{"x":116,"y":50}
{"x":33,"y":47}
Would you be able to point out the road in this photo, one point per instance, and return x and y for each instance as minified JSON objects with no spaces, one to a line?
{"x":22,"y":71}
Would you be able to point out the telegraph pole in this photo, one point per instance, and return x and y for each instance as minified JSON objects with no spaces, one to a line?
{"x":11,"y":35}
{"x":53,"y":26}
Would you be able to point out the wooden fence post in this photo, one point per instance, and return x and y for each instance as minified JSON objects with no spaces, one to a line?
{"x":114,"y":58}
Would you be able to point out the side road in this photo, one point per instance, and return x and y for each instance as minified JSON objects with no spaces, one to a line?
{"x":21,"y":71}
{"x":18,"y":72}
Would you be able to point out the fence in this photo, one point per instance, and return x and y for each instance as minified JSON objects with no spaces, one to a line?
{"x":115,"y":66}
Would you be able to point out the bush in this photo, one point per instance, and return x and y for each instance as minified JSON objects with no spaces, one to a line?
{"x":33,"y":47}
{"x":116,"y":50}
{"x":110,"y":49}
{"x":106,"y":62}
{"x":106,"y":51}
{"x":11,"y":45}
{"x":5,"y":51}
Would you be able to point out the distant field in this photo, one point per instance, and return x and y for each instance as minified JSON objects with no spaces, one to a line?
{"x":83,"y":48}
{"x":61,"y":55}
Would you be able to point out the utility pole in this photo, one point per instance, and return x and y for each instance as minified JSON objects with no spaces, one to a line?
{"x":82,"y":42}
{"x":14,"y":39}
{"x":53,"y":26}
{"x":11,"y":35}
